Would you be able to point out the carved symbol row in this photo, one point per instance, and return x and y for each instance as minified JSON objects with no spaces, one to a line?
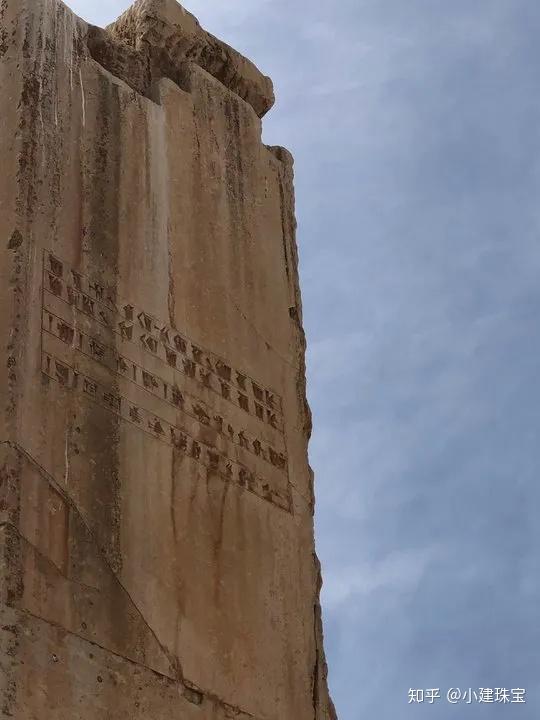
{"x":215,"y":462}
{"x":155,"y":385}
{"x":131,"y":332}
{"x":98,"y":301}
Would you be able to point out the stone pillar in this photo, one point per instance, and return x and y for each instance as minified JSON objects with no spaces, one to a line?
{"x":156,"y":503}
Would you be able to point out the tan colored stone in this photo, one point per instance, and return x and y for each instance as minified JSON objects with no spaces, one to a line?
{"x":156,"y":503}
{"x":156,"y":38}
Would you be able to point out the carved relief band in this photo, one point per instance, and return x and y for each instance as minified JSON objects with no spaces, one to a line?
{"x":124,"y":367}
{"x":81,"y":328}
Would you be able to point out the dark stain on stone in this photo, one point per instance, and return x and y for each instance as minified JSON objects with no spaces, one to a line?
{"x":15,"y":240}
{"x":3,"y":42}
{"x":193,"y":696}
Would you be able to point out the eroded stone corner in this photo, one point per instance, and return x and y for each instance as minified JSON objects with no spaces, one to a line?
{"x":157,"y":39}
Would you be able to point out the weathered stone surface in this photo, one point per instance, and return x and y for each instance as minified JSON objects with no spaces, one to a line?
{"x":156,"y":503}
{"x":155,"y":39}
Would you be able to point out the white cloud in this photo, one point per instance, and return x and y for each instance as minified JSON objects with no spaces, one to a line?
{"x":398,"y":574}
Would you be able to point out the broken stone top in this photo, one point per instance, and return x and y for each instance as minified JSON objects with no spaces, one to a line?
{"x":156,"y":38}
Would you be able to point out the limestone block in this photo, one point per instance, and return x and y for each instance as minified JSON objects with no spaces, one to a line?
{"x":156,"y":503}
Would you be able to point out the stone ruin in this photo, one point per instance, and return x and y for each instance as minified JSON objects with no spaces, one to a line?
{"x":156,"y":502}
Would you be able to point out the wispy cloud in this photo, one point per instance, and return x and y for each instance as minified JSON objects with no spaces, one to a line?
{"x":399,"y":573}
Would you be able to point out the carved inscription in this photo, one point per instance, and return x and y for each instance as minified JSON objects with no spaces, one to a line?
{"x":208,"y":457}
{"x":133,"y":324}
{"x":76,"y":312}
{"x":170,"y":393}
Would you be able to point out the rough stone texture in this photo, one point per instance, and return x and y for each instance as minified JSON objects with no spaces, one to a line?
{"x":156,"y":503}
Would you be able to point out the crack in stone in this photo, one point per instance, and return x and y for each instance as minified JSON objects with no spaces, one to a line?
{"x":173,"y":661}
{"x":44,"y":557}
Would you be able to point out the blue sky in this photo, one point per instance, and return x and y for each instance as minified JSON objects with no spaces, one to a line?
{"x":415,"y":125}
